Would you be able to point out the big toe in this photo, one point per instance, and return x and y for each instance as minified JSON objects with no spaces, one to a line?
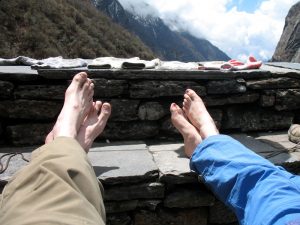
{"x":192,"y":94}
{"x":79,"y":79}
{"x":174,"y":108}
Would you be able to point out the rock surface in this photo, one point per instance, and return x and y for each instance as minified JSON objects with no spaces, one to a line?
{"x":197,"y":216}
{"x":288,"y":48}
{"x":28,"y":134}
{"x":189,"y":197}
{"x":6,"y":89}
{"x":172,"y":163}
{"x":28,"y":109}
{"x":123,"y":163}
{"x":154,"y":89}
{"x":37,"y":92}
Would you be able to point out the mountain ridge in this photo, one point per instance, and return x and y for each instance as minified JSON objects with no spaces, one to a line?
{"x":167,"y":44}
{"x":288,"y":47}
{"x":70,"y":28}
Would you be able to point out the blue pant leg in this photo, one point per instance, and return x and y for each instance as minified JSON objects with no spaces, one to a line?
{"x":257,"y":191}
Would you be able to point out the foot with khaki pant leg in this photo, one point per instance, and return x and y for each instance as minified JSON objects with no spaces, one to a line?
{"x":59,"y":185}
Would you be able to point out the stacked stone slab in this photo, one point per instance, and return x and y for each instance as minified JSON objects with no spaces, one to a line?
{"x":254,"y":100}
{"x":151,"y":184}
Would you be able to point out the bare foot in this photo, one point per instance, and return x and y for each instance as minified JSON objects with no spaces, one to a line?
{"x":196,"y":112}
{"x":78,"y":101}
{"x":190,"y":134}
{"x":93,"y":124}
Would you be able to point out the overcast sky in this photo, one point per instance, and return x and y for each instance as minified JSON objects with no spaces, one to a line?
{"x":238,"y":27}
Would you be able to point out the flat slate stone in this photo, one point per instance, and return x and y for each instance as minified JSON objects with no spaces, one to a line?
{"x":22,"y":73}
{"x":40,"y":92}
{"x":17,"y":70}
{"x":271,"y":147}
{"x":163,"y":216}
{"x":123,"y":163}
{"x":172,"y":163}
{"x":16,"y":162}
{"x":288,"y":65}
{"x":189,"y":197}
{"x":153,"y":190}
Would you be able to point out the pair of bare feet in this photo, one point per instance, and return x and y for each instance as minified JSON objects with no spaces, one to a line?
{"x":192,"y":121}
{"x":81,"y":118}
{"x":84,"y":120}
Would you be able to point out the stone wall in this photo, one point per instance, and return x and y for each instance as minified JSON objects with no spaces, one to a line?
{"x":147,"y":183}
{"x":260,"y":100}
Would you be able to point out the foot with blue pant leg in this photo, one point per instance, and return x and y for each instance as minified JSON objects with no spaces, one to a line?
{"x":255,"y":189}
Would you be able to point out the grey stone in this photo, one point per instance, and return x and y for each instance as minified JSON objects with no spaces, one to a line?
{"x":288,"y":99}
{"x":110,"y":88}
{"x":122,"y":163}
{"x":167,"y":127}
{"x":154,"y":89}
{"x":277,"y":72}
{"x":221,"y":214}
{"x":197,"y":216}
{"x":274,"y":83}
{"x":232,"y":99}
{"x":225,"y":87}
{"x":28,"y":134}
{"x":288,"y":44}
{"x":136,"y":191}
{"x":251,"y":119}
{"x":6,"y":89}
{"x":133,"y":131}
{"x":29,"y":109}
{"x":120,"y":206}
{"x":1,"y":130}
{"x":16,"y":162}
{"x":189,"y":197}
{"x":149,"y":204}
{"x":217,"y":115}
{"x":118,"y":219}
{"x":293,"y":66}
{"x":124,"y":110}
{"x":275,"y":148}
{"x":18,"y":73}
{"x":42,"y":91}
{"x":267,"y":100}
{"x":285,"y":154}
{"x":172,"y":164}
{"x":152,"y":111}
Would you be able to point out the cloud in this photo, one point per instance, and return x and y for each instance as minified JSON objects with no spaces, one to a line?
{"x":238,"y":33}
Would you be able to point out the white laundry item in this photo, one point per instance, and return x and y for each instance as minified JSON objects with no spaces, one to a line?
{"x":177,"y":65}
{"x":51,"y":62}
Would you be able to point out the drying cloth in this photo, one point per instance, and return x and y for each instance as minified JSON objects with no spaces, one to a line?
{"x":231,"y":65}
{"x":51,"y":62}
{"x":122,"y":63}
{"x":177,"y":65}
{"x":140,"y":64}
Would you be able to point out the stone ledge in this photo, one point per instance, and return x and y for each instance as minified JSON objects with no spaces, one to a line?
{"x":135,"y":161}
{"x":152,"y":183}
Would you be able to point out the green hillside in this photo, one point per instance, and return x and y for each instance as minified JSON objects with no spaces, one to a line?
{"x":70,"y":28}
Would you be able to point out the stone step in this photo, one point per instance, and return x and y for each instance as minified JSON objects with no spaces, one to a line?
{"x":137,"y":162}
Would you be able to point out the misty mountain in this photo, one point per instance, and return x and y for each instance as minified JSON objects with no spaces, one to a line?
{"x":165,"y":43}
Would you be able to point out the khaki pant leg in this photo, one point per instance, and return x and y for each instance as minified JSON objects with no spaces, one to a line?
{"x":59,"y":186}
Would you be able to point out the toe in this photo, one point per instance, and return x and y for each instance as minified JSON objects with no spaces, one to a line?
{"x":98,"y":106}
{"x":173,"y":108}
{"x":80,"y":78}
{"x":106,"y":109}
{"x":192,"y":94}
